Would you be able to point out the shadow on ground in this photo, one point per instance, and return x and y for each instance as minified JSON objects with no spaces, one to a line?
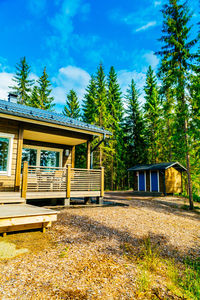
{"x":90,"y":231}
{"x":168,"y":205}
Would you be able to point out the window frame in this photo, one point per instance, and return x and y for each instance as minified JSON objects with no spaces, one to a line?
{"x":39,"y":149}
{"x":10,"y":152}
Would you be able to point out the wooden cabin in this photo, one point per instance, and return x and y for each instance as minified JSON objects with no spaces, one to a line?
{"x":37,"y":161}
{"x":163,"y":178}
{"x":37,"y":155}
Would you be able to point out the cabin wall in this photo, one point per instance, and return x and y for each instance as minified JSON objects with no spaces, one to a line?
{"x":173,"y":182}
{"x":8,"y":126}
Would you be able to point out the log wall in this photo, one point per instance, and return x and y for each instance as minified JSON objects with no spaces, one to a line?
{"x":8,"y":126}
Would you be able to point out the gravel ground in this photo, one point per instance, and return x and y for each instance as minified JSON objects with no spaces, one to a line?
{"x":83,"y":256}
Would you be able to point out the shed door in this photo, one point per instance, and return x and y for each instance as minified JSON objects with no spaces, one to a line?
{"x":154,"y":181}
{"x":141,"y":181}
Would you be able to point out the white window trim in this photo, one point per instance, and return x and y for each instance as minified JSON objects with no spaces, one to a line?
{"x":157,"y":181}
{"x":39,"y":149}
{"x":145,"y":181}
{"x":10,"y":150}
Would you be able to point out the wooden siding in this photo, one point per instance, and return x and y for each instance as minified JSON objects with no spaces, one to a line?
{"x":173,"y":181}
{"x":7,"y":126}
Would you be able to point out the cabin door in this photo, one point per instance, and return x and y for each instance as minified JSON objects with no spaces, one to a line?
{"x":154,"y":181}
{"x":141,"y":181}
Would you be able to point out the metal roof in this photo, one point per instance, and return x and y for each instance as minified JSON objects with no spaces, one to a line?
{"x":33,"y":113}
{"x":160,"y":166}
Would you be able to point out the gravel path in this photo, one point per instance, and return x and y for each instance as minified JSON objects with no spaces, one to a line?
{"x":82,"y":256}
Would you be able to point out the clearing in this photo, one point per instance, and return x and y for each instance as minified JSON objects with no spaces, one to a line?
{"x":148,"y":249}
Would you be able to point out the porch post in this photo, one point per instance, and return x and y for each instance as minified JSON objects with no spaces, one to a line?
{"x":24,"y":180}
{"x":68,"y":185}
{"x":87,"y":199}
{"x":73,"y":157}
{"x":88,"y":154}
{"x":100,"y":199}
{"x":102,"y":182}
{"x":19,"y":158}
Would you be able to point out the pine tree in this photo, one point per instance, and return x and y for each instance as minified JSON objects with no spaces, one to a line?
{"x":152,"y":116}
{"x":41,"y":95}
{"x":23,"y":83}
{"x":89,"y":102}
{"x":134,"y":129}
{"x":72,"y":108}
{"x":175,"y":53}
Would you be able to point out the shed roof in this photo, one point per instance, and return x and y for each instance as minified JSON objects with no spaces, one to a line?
{"x":24,"y":111}
{"x":160,"y":166}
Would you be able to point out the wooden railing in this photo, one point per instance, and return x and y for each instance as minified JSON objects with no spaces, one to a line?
{"x":67,"y":180}
{"x":85,"y":180}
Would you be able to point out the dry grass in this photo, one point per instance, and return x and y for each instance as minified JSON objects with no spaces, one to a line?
{"x":130,"y":252}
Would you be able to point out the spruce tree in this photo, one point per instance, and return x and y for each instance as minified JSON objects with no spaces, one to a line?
{"x":89,"y":102}
{"x":101,"y":116}
{"x":152,"y":116}
{"x":134,"y":128}
{"x":72,"y":108}
{"x":43,"y":92}
{"x":115,"y":113}
{"x":23,"y":84}
{"x":176,"y":53}
{"x":34,"y":97}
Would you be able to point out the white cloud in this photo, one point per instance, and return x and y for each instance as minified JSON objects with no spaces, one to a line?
{"x":157,"y":3}
{"x":68,"y":78}
{"x":147,"y":26}
{"x":5,"y":82}
{"x":151,"y":59}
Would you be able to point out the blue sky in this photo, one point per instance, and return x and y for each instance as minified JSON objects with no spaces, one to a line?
{"x":71,"y":37}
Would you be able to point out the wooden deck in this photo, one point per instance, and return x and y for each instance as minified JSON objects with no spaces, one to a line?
{"x":16,"y":217}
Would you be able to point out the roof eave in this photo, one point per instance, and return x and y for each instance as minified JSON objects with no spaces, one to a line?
{"x":101,"y":132}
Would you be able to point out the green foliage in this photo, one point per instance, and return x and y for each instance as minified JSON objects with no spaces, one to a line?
{"x":134,"y":129}
{"x":187,"y":279}
{"x":22,"y":81}
{"x":152,"y":113}
{"x":41,"y":94}
{"x":72,"y":108}
{"x":174,"y":70}
{"x":89,"y":102}
{"x":44,"y":92}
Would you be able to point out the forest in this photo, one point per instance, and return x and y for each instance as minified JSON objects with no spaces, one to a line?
{"x":165,"y":127}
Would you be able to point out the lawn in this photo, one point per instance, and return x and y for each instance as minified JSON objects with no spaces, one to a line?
{"x":148,"y":249}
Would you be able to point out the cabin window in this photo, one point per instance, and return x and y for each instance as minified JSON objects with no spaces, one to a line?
{"x":42,"y":156}
{"x":29,"y":155}
{"x":49,"y":158}
{"x":6,"y":142}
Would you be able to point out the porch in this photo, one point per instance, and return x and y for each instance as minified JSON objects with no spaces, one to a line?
{"x":61,"y":182}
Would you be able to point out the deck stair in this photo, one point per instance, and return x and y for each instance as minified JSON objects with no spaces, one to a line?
{"x":11,"y":198}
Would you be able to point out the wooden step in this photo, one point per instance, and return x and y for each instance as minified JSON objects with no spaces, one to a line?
{"x":15,"y":200}
{"x":11,"y":197}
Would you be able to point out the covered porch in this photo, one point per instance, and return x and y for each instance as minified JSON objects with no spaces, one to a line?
{"x":45,"y":166}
